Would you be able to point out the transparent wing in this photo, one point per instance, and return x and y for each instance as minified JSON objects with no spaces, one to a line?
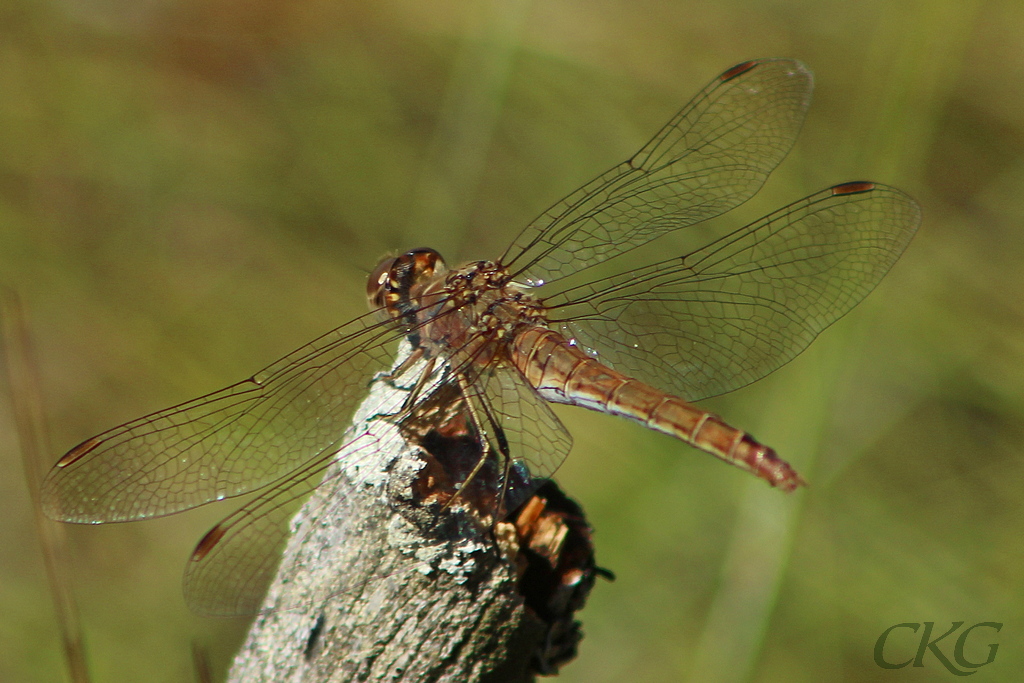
{"x":226,"y":443}
{"x":742,"y":306}
{"x":515,"y":420}
{"x":714,"y":155}
{"x":233,"y":565}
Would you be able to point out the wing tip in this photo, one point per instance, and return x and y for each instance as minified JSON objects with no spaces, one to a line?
{"x":79,"y":452}
{"x":852,"y":187}
{"x":738,"y":70}
{"x":207,"y":542}
{"x":794,"y":68}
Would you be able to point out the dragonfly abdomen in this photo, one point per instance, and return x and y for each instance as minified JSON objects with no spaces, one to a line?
{"x":563,"y":373}
{"x":711,"y":434}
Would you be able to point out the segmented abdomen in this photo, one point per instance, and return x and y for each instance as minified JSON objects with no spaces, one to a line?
{"x":561,"y":372}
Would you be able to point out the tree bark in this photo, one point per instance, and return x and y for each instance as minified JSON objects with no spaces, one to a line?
{"x":373,"y":587}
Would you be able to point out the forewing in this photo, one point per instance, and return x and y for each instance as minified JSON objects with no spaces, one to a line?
{"x":732,"y":312}
{"x":226,"y":443}
{"x":714,"y":155}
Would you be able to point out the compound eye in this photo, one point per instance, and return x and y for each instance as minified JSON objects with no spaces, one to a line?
{"x":425,"y":262}
{"x":377,"y":284}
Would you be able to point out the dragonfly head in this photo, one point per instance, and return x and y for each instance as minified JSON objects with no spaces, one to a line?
{"x":396,"y":281}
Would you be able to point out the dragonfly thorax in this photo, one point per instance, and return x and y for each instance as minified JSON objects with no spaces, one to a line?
{"x":472,"y":311}
{"x":443,"y":308}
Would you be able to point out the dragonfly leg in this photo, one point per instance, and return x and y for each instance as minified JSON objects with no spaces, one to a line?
{"x":410,"y":360}
{"x":485,"y":443}
{"x":410,"y":400}
{"x":417,"y":389}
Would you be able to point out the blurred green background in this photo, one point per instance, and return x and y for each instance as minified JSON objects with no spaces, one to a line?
{"x":190,"y":189}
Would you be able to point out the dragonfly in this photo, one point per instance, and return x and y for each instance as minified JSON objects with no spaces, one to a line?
{"x":489,"y":345}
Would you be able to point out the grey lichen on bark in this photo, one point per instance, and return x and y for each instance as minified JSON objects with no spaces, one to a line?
{"x":373,"y":586}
